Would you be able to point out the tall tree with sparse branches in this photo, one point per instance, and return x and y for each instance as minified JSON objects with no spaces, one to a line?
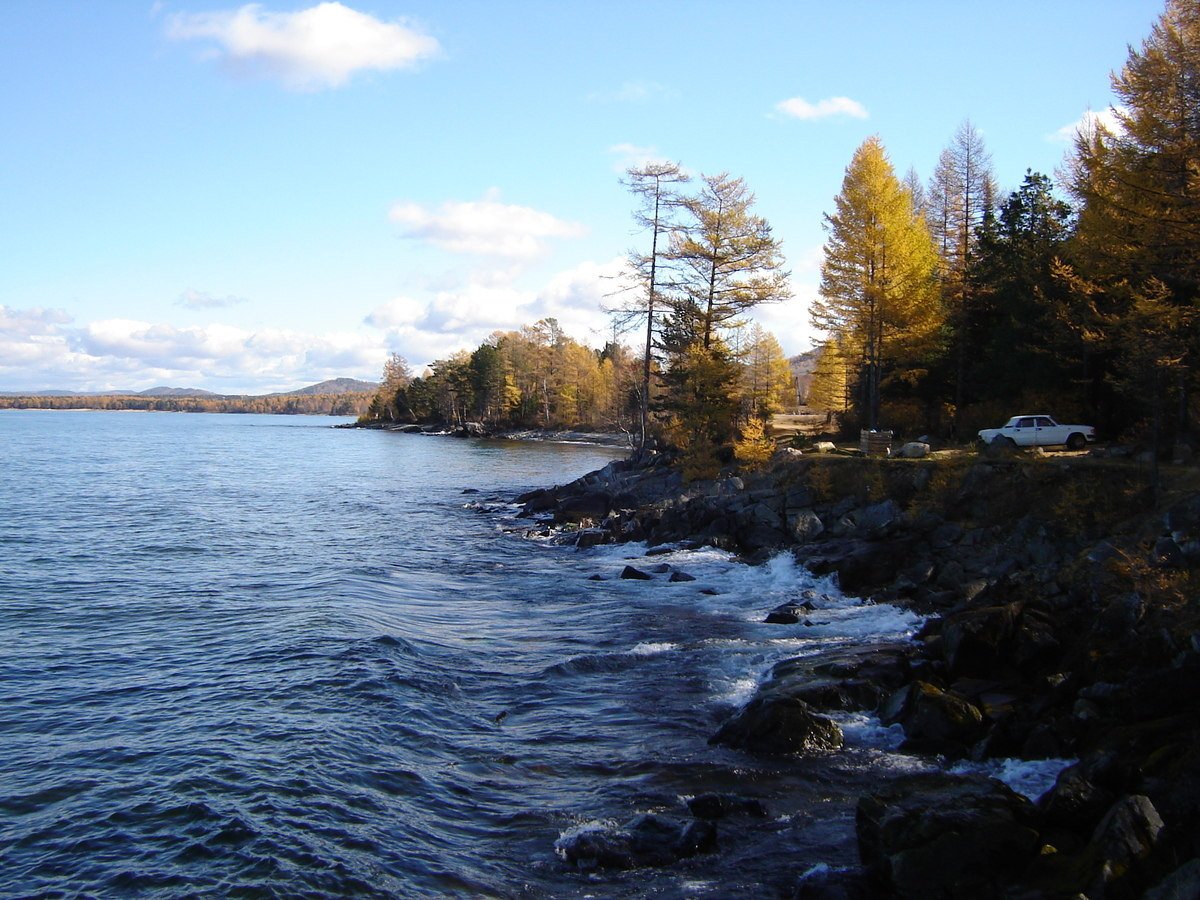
{"x":656,"y":185}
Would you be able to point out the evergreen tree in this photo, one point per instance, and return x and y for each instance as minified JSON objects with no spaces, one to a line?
{"x":1139,"y":189}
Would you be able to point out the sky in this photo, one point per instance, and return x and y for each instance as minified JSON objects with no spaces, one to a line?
{"x":251,"y":198}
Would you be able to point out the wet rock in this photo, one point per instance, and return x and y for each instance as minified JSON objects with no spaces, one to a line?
{"x":854,"y":678}
{"x":934,"y":719}
{"x":945,"y":836}
{"x":719,"y":806}
{"x":537,"y":501}
{"x":576,"y":509}
{"x":648,"y":840}
{"x":785,"y":614}
{"x":629,"y":572}
{"x":771,"y":723}
{"x":590,"y":537}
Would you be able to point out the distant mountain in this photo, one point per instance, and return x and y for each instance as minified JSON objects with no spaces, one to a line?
{"x":334,"y":386}
{"x":174,"y":392}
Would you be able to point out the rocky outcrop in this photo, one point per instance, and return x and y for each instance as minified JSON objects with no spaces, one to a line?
{"x":1062,"y":623}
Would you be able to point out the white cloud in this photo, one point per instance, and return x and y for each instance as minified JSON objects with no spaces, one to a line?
{"x":799,"y":108}
{"x":1108,"y":117}
{"x":42,"y":349}
{"x":203,"y":300}
{"x":319,"y":47}
{"x":484,"y":227}
{"x":460,"y":318}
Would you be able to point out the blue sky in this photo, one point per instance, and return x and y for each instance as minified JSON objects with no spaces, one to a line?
{"x":252,"y":198}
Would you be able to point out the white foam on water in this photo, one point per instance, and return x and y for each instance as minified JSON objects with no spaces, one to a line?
{"x":652,"y":648}
{"x":735,"y":692}
{"x":1029,"y":777}
{"x":865,"y":730}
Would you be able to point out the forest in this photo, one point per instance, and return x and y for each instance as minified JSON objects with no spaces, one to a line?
{"x":945,"y":305}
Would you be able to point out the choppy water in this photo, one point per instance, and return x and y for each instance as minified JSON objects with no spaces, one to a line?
{"x":256,"y":655}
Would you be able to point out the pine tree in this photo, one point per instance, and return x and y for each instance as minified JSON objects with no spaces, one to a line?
{"x":878,"y":295}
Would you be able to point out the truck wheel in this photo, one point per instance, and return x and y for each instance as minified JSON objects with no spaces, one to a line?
{"x":1076,"y":441}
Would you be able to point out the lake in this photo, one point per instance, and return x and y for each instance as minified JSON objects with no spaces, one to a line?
{"x":259,"y":655}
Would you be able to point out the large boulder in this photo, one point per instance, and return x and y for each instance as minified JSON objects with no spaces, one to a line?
{"x":935,"y":720}
{"x":805,"y":525}
{"x":946,"y":836}
{"x":772,"y":723}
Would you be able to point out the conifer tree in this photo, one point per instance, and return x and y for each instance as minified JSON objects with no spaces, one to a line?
{"x":1139,"y":189}
{"x":877,"y":294}
{"x":656,"y":185}
{"x":729,"y":261}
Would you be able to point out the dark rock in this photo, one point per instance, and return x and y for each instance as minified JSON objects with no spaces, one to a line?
{"x":661,"y":569}
{"x":1075,"y":803}
{"x":945,"y":836}
{"x":805,"y":526}
{"x":975,"y":642}
{"x":635,"y":574}
{"x":678,"y":576}
{"x":591,"y":537}
{"x":933,"y":719}
{"x":1182,"y":884}
{"x":470,"y":490}
{"x":775,"y":724}
{"x":538,"y":501}
{"x":596,"y":578}
{"x":648,"y":840}
{"x":587,"y":506}
{"x":785,"y":614}
{"x":718,"y":806}
{"x":1126,"y":834}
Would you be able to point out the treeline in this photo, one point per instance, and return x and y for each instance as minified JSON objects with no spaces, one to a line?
{"x":950,"y":307}
{"x":539,"y":377}
{"x":348,"y":404}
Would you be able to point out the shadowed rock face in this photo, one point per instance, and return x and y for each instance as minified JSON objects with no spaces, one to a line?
{"x":943,"y":836}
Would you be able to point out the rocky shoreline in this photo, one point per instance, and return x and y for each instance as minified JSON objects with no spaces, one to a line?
{"x":1062,"y":623}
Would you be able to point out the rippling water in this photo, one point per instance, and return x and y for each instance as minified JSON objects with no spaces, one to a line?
{"x":254,"y":654}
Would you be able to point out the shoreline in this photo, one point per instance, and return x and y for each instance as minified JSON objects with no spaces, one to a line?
{"x":1031,"y":651}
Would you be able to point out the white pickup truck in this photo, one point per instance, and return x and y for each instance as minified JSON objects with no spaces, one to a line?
{"x":1038,"y":431}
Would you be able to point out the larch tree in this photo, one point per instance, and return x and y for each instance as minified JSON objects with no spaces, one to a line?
{"x":829,"y":388}
{"x":729,"y":261}
{"x":878,"y":293}
{"x":961,"y":196}
{"x":768,"y":384}
{"x":656,"y":185}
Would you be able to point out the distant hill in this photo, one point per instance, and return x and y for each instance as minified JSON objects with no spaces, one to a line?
{"x":174,"y":392}
{"x":334,"y":386}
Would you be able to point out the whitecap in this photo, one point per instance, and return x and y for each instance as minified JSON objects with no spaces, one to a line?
{"x":1029,"y":777}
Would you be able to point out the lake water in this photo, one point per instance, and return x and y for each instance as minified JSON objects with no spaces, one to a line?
{"x":252,"y":655}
